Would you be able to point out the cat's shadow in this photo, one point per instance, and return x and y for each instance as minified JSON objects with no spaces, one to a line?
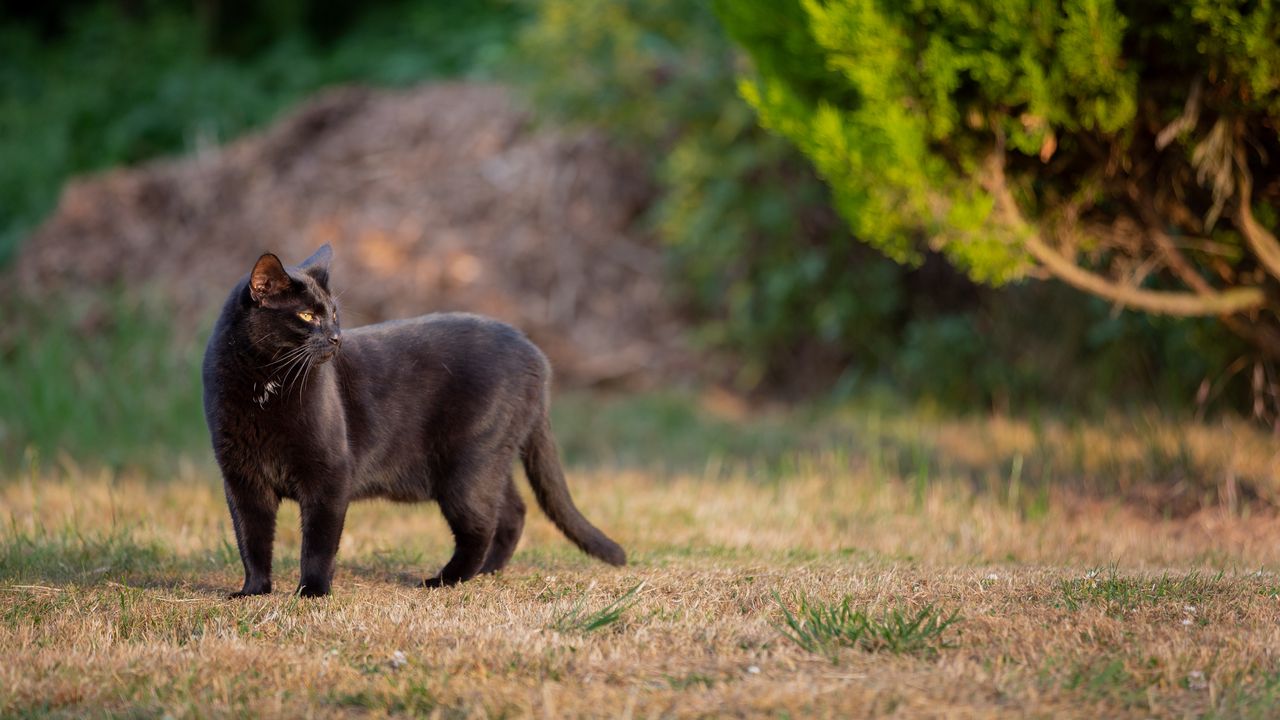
{"x":284,"y":583}
{"x":183,"y":586}
{"x":179,"y":586}
{"x":401,"y":577}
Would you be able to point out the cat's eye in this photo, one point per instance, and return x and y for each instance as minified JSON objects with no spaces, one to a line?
{"x":307,"y":316}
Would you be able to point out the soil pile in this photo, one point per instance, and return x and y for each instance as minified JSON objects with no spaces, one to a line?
{"x":443,"y":197}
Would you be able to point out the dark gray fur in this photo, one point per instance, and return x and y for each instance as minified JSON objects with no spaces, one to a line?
{"x":431,"y":408}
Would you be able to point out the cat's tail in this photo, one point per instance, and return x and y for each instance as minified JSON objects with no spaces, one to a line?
{"x":542,"y":465}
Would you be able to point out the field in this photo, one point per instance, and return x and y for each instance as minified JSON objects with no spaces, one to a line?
{"x":762,"y":583}
{"x":862,"y":464}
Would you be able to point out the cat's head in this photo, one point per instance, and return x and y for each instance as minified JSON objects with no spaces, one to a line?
{"x":292,"y":316}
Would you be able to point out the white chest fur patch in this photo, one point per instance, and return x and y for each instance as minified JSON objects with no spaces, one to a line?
{"x":267,"y":391}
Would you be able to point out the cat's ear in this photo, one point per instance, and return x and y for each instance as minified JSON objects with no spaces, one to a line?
{"x":268,"y":278}
{"x":317,"y":266}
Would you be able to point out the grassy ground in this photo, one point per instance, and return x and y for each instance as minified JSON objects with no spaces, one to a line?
{"x":818,"y":583}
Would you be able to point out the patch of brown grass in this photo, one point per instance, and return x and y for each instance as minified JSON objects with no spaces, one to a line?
{"x":112,"y":593}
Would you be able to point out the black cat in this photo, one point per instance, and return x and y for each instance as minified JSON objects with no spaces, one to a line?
{"x":432,"y":408}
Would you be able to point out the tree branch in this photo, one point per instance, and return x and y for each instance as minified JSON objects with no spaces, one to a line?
{"x":1185,"y":304}
{"x":1212,"y":302}
{"x":1263,"y":336}
{"x":1175,"y":260}
{"x":1261,"y":241}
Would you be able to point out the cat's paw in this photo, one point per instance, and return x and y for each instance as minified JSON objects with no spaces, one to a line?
{"x":247,"y":591}
{"x":313,"y":590}
{"x":439,"y":582}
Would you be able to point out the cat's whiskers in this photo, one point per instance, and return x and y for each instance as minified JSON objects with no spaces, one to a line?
{"x":288,"y":352}
{"x":291,"y":362}
{"x":305,"y":375}
{"x":256,"y":343}
{"x":288,"y":371}
{"x":295,"y":370}
{"x":291,"y":355}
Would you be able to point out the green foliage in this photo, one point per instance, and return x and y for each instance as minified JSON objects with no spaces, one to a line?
{"x":578,"y":619}
{"x":751,"y":238}
{"x":116,"y":88}
{"x":825,"y":628}
{"x":1231,"y":41}
{"x":103,"y":378}
{"x":917,"y":95}
{"x":757,"y":250}
{"x":1107,"y":680}
{"x":1118,"y":595}
{"x":1041,"y":345}
{"x":908,"y":79}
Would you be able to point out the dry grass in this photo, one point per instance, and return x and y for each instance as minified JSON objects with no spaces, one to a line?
{"x":112,"y":591}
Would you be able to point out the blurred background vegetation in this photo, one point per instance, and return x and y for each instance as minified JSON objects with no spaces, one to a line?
{"x":766,"y":271}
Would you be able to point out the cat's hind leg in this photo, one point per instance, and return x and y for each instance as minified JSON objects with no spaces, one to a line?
{"x":510,"y":526}
{"x":471,"y":502}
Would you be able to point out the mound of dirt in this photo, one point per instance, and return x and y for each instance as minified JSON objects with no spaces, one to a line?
{"x":443,"y":197}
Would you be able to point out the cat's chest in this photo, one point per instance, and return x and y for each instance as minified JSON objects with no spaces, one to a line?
{"x":255,"y":442}
{"x":265,"y":392}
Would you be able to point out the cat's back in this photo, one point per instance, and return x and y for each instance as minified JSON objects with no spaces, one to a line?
{"x":448,"y":377}
{"x":442,"y":330}
{"x":220,"y":373}
{"x":452,"y":342}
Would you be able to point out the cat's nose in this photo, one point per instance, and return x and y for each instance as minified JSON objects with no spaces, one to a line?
{"x":335,"y":338}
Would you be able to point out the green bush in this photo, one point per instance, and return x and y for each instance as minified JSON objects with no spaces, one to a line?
{"x":102,"y":378}
{"x":752,"y":241}
{"x":1120,"y":146}
{"x":756,"y":246}
{"x":115,"y":88}
{"x":901,"y":83}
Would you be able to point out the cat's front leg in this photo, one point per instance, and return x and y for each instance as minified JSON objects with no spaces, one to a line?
{"x":322,"y":519}
{"x":253,"y":514}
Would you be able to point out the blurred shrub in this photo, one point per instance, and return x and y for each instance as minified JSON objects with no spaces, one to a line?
{"x":1088,"y":115}
{"x":753,"y":243}
{"x":766,"y":266}
{"x":103,"y":378}
{"x":1045,"y":346}
{"x":95,"y":86}
{"x":1124,"y":133}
